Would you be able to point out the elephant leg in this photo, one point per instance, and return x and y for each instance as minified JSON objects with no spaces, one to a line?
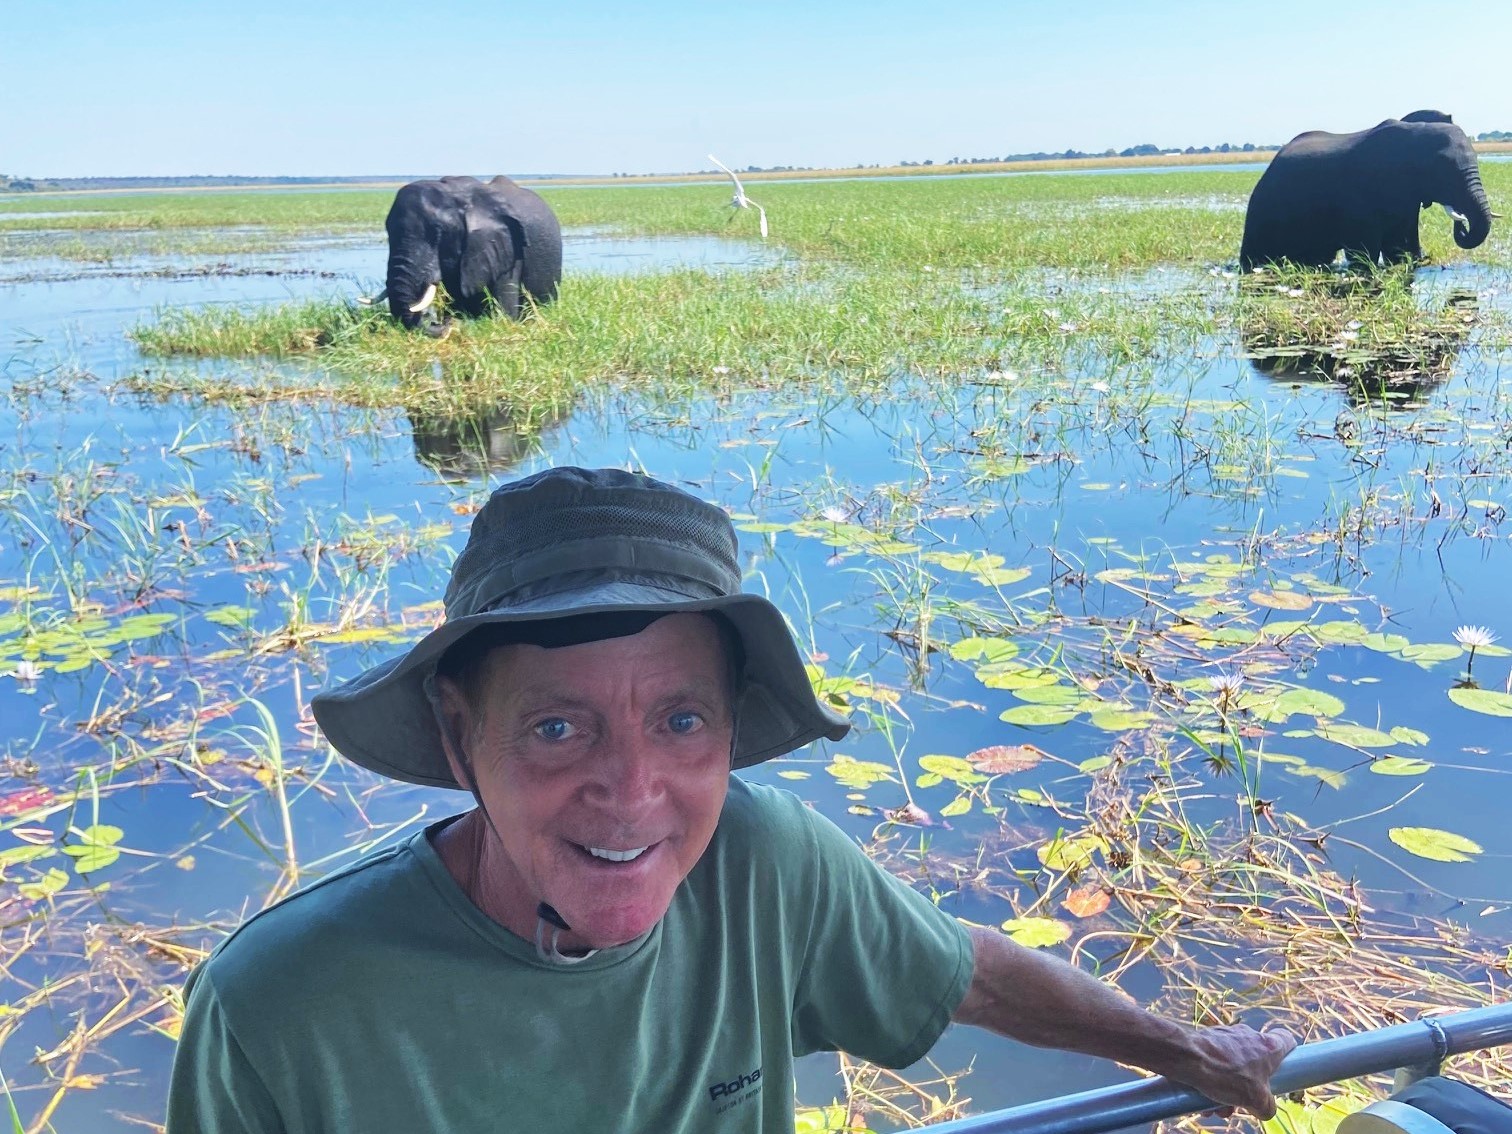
{"x":1363,"y":247}
{"x":1400,"y":244}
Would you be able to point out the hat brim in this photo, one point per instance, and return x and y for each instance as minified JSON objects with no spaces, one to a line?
{"x":383,"y":720}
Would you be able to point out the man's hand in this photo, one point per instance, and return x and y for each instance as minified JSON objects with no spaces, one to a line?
{"x":1038,"y":999}
{"x":1233,"y":1065}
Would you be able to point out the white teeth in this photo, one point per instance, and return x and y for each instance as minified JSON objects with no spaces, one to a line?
{"x":616,"y":855}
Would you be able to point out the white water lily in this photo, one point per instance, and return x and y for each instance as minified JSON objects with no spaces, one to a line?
{"x":27,"y":673}
{"x":835,"y":514}
{"x":1474,"y":637}
{"x":1226,"y":683}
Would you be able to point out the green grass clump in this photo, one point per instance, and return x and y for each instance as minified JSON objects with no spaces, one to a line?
{"x":690,"y":330}
{"x":1371,"y":329}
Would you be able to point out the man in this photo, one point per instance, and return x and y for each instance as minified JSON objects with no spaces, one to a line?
{"x":621,"y":935}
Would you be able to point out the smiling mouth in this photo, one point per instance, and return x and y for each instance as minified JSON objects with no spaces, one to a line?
{"x":606,"y":855}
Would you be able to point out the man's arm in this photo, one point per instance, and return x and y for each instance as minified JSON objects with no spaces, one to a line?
{"x":214,"y":1088}
{"x":1041,"y":1000}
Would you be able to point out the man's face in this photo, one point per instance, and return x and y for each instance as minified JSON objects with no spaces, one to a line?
{"x":604,"y":768}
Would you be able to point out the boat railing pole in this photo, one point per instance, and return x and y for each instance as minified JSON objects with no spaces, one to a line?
{"x":1420,"y":1044}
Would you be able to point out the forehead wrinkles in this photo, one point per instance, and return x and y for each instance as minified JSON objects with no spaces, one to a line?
{"x":523,"y":678}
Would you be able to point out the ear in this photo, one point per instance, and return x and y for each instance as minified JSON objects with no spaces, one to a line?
{"x":493,"y":242}
{"x":454,"y":717}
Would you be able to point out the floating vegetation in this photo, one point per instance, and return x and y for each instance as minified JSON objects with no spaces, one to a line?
{"x":1370,"y":334}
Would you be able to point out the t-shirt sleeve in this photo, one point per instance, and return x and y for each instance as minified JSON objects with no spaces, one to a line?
{"x":214,"y":1088}
{"x":884,"y":967}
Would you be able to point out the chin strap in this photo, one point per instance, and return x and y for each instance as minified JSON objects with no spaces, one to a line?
{"x":545,"y":913}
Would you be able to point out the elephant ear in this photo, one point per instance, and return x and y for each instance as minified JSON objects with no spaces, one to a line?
{"x":494,"y":244}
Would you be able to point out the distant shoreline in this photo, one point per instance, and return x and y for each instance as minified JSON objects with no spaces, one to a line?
{"x":1045,"y":165}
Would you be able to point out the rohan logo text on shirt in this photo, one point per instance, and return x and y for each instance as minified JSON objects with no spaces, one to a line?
{"x":725,"y":1092}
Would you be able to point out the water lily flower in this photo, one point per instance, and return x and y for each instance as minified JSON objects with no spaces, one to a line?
{"x":1226,"y":684}
{"x":835,"y":514}
{"x":27,"y":674}
{"x":1474,"y":638}
{"x":1101,"y":387}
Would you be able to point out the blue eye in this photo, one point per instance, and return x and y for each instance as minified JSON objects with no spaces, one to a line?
{"x":684,"y":723}
{"x":554,"y":728}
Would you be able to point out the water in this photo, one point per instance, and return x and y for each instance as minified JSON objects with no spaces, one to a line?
{"x":295,"y":517}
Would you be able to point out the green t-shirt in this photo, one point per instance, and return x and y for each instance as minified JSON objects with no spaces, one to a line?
{"x":381,"y":999}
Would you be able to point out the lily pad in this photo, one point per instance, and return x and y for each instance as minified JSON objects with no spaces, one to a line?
{"x":1067,"y":695}
{"x":1282,"y":600}
{"x":1429,"y":654}
{"x":952,"y":768}
{"x":46,"y":886}
{"x":964,"y":561}
{"x":1399,"y":766}
{"x":1311,"y":702}
{"x":1071,"y":853}
{"x":988,"y":650}
{"x":1037,"y":932}
{"x":1430,"y":842}
{"x":859,"y":774}
{"x":1114,"y":719}
{"x":1018,"y":677}
{"x":1002,"y":576}
{"x":1005,"y":759}
{"x":1038,"y":715}
{"x":96,"y":848}
{"x":1356,"y":736}
{"x":1487,"y":701}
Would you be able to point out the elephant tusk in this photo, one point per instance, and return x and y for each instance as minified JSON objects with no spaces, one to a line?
{"x":424,"y":301}
{"x":1496,"y":216}
{"x":1456,"y":217}
{"x":371,"y":300}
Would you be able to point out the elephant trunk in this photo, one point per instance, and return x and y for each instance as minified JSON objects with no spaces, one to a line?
{"x":411,"y":286}
{"x":1476,"y":226}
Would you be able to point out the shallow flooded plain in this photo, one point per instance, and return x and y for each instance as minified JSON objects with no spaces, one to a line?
{"x":1169,"y":606}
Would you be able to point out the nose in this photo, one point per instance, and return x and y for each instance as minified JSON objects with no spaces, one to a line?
{"x":629,"y":776}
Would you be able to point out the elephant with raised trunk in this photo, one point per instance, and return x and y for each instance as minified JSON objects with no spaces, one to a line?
{"x":1361,"y":193}
{"x":492,"y":243}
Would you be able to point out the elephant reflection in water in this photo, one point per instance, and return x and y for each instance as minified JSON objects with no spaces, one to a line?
{"x":469,"y":447}
{"x":1400,"y":373}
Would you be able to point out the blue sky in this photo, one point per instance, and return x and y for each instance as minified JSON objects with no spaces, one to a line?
{"x":120,"y":87}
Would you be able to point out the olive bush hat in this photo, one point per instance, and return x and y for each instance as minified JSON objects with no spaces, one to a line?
{"x":568,"y":542}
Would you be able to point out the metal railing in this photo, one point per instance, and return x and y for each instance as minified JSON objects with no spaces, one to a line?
{"x":1419,"y":1046}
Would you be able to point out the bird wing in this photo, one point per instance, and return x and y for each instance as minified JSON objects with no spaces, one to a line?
{"x":740,"y":192}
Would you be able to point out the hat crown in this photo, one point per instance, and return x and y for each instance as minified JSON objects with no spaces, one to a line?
{"x":567,"y":525}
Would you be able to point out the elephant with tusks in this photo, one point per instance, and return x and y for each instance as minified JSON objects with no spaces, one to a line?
{"x":489,"y":244}
{"x":1361,"y":193}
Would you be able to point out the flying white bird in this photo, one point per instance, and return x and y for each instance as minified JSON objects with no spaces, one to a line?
{"x":740,"y":200}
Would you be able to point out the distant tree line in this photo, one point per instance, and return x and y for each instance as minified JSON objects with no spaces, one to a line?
{"x":10,"y":184}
